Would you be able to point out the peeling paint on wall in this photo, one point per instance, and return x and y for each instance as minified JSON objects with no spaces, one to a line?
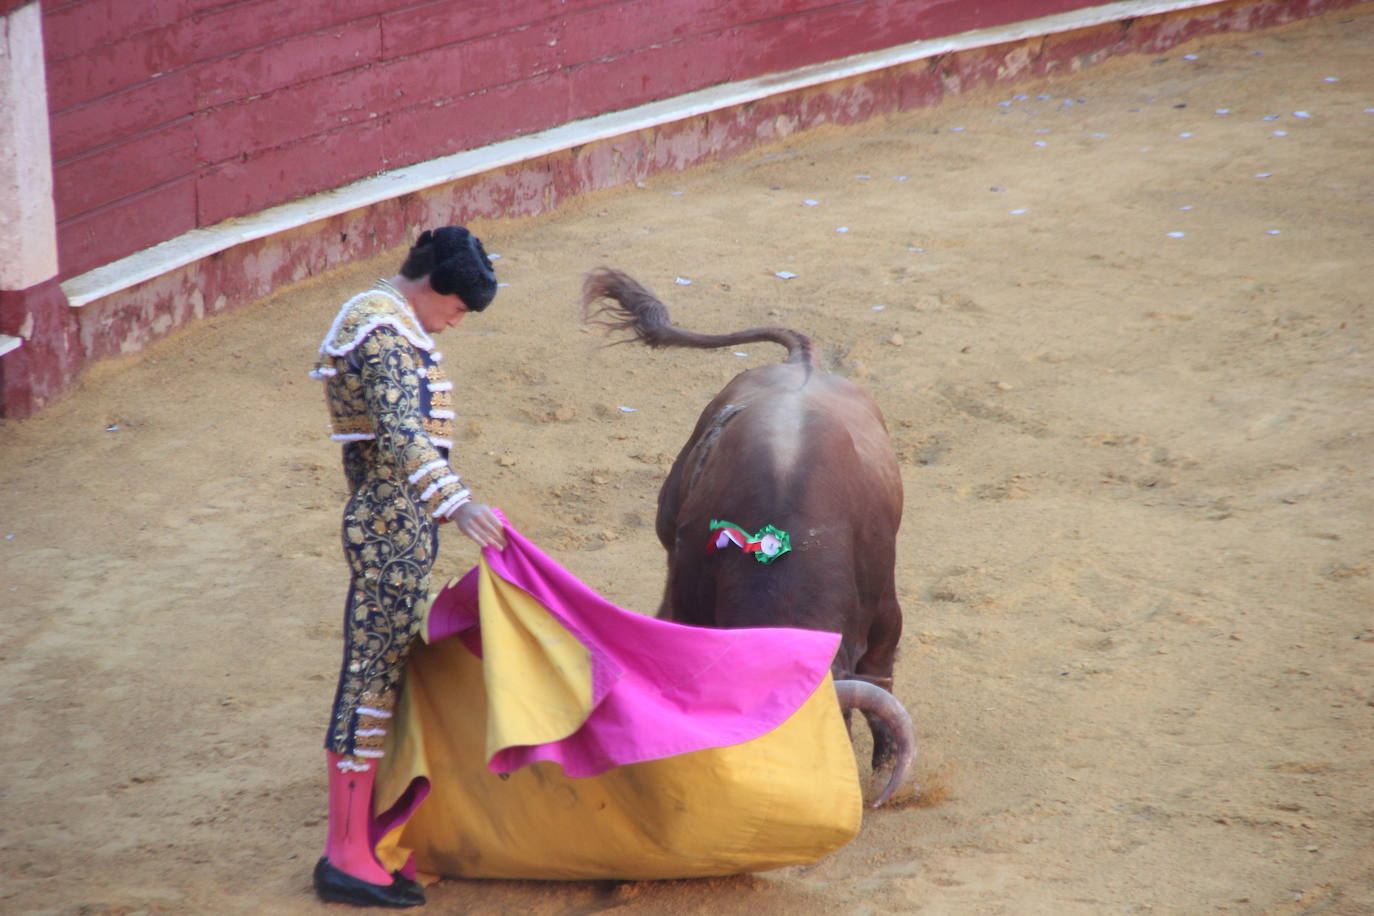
{"x":353,"y":138}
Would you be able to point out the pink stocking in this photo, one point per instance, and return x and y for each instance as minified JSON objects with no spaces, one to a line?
{"x":348,"y":845}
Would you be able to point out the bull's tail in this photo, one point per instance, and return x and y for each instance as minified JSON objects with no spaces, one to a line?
{"x":634,"y":308}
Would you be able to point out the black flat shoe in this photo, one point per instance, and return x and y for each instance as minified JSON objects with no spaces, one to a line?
{"x":410,"y":883}
{"x":335,"y":886}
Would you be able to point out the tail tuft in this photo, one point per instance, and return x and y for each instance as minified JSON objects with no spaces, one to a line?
{"x":633,"y":307}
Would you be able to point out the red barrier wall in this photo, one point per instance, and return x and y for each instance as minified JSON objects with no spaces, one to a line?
{"x":169,"y":115}
{"x":173,"y":114}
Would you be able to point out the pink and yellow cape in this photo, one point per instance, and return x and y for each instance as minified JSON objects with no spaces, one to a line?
{"x":561,"y":737}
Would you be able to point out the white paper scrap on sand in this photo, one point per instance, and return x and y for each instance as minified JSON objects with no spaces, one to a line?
{"x":784,"y":275}
{"x":683,"y":281}
{"x":624,"y":409}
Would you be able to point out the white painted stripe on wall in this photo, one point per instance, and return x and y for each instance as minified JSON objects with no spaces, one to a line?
{"x":201,"y":243}
{"x":28,"y":244}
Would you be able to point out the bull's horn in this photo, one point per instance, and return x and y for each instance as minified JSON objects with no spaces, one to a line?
{"x":873,"y":700}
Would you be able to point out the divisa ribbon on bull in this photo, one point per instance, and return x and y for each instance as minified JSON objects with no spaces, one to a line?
{"x":767,"y":545}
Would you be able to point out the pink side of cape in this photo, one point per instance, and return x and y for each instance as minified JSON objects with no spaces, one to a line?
{"x":658,"y":688}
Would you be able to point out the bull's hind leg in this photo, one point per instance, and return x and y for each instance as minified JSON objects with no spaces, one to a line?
{"x":876,"y":666}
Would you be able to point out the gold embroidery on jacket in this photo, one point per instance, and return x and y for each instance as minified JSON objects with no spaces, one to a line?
{"x":359,"y":317}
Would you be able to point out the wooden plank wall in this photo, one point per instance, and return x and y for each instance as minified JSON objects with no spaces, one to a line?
{"x":169,"y":115}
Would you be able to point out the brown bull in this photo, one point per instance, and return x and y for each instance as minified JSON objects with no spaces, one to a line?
{"x":793,"y":447}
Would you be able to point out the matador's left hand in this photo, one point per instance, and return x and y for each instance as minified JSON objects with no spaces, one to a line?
{"x":478,"y":522}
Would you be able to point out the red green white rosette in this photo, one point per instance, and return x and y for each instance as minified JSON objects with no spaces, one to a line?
{"x":767,"y":544}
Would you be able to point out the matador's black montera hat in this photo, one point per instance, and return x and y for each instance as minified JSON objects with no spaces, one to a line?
{"x":461,"y":266}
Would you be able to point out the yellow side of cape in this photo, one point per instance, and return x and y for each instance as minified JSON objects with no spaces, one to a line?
{"x":537,"y":675}
{"x":788,"y":797}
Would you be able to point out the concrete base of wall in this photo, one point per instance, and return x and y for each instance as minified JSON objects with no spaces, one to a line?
{"x":45,"y":356}
{"x":126,"y":321}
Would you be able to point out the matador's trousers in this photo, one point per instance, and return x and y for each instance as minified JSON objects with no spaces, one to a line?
{"x":390,"y":544}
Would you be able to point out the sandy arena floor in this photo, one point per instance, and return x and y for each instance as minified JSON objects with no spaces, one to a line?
{"x":1124,"y":348}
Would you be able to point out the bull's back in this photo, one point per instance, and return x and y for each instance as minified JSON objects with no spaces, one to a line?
{"x":801,"y":450}
{"x":782,"y":428}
